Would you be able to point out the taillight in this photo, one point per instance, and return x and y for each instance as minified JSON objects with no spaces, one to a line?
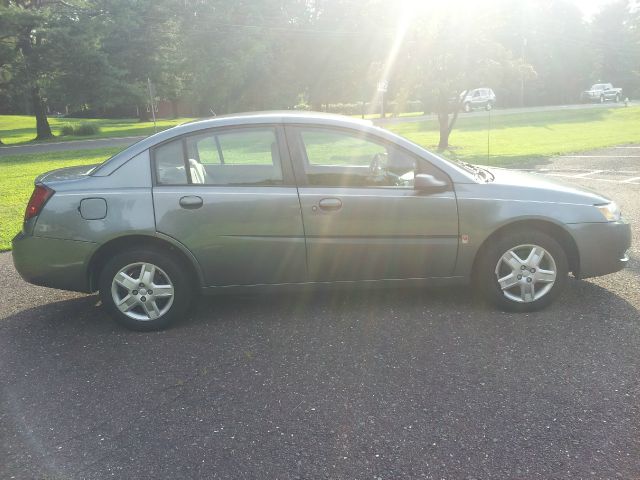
{"x":38,"y":198}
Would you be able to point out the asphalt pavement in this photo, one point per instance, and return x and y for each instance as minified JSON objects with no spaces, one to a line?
{"x":89,"y":144}
{"x":426,"y":384}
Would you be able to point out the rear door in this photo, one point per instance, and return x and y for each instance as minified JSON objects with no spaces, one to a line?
{"x":477,"y":98}
{"x":228,"y":194}
{"x":363,"y":219}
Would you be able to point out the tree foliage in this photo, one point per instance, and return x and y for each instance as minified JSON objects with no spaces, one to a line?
{"x":96,"y":56}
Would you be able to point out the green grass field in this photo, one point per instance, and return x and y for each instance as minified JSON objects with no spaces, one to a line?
{"x":515,"y":140}
{"x":16,"y":182}
{"x":16,"y":129}
{"x":529,"y":136}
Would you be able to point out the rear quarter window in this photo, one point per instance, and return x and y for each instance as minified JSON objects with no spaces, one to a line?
{"x":169,"y":163}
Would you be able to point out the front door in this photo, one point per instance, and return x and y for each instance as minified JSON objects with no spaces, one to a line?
{"x":228,"y":195}
{"x":363,"y":219}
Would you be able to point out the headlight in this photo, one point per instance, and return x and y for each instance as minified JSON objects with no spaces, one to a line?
{"x":610,"y":211}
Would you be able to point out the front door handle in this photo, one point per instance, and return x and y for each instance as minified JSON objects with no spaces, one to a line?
{"x":330,"y":204}
{"x":191,"y":202}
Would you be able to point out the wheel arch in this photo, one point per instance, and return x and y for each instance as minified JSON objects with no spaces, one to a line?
{"x":557,"y":232}
{"x":118,"y":244}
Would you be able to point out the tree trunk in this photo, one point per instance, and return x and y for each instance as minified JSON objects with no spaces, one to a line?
{"x":143,"y":115}
{"x":443,"y":120}
{"x":174,"y":109}
{"x":43,"y":130}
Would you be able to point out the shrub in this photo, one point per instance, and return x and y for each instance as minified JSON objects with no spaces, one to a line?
{"x":66,"y":129}
{"x":85,"y":129}
{"x":81,"y":130}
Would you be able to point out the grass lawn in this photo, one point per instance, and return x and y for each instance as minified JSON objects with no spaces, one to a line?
{"x":515,"y":139}
{"x":22,"y":128}
{"x":523,"y":137}
{"x":16,"y":182}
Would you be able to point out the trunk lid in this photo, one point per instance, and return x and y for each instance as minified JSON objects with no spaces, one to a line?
{"x":67,"y":173}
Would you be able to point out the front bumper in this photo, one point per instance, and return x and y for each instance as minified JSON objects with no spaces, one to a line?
{"x":52,"y":262}
{"x":602,"y":247}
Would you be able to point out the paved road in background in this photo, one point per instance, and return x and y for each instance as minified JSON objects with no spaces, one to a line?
{"x":508,"y":111}
{"x":71,"y":145}
{"x":385,"y":384}
{"x":126,"y":141}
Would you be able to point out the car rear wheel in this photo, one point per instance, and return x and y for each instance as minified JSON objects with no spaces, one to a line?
{"x":145,"y":289}
{"x":523,"y":272}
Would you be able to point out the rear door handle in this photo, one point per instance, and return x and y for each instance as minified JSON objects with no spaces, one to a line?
{"x":191,"y":202}
{"x":330,"y":204}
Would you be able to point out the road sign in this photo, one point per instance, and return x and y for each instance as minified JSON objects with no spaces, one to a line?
{"x":383,"y":85}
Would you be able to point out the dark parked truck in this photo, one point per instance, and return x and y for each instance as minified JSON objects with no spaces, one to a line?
{"x":601,"y":92}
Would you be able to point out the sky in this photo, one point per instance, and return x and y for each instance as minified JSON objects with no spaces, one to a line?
{"x":591,"y":7}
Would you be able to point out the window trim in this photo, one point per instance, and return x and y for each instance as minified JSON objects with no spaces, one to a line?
{"x":299,"y":157}
{"x":288,"y":177}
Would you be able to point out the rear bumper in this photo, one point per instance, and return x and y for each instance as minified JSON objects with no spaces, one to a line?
{"x":602,"y":247}
{"x":51,"y":262}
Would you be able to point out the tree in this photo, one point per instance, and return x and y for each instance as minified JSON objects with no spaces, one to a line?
{"x":51,"y":54}
{"x":615,"y":46}
{"x":140,"y":41}
{"x":457,"y":51}
{"x":26,"y":23}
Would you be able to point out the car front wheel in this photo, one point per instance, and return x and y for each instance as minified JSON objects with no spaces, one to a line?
{"x":523,"y":272}
{"x":145,"y":289}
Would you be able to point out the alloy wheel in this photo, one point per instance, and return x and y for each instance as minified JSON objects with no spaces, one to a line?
{"x":142,"y":291}
{"x":526,"y":273}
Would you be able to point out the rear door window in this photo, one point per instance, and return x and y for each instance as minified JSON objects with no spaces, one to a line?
{"x":239,"y":156}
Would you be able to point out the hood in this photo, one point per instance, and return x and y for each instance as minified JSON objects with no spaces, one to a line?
{"x":533,"y":186}
{"x":68,"y":173}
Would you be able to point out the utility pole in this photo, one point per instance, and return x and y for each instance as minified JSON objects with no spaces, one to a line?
{"x":524,"y":44}
{"x":383,"y":86}
{"x":152,"y":103}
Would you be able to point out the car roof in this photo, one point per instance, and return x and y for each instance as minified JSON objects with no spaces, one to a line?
{"x":275,"y":116}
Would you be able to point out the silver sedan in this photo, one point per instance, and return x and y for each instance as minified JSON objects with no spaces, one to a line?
{"x":267,"y":200}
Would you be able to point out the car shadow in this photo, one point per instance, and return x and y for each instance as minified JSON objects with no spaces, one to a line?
{"x":85,"y":316}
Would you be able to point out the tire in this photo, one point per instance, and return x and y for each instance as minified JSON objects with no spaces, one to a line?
{"x":143,"y":308}
{"x":466,"y":107}
{"x":525,"y":285}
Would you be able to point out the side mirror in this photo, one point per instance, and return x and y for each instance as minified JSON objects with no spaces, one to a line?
{"x":422,"y":181}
